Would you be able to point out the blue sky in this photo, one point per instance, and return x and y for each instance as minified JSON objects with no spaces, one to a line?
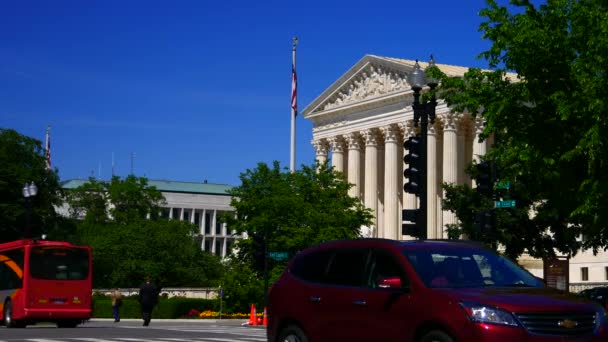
{"x":199,"y":90}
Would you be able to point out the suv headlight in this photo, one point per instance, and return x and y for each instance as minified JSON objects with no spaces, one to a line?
{"x":482,"y":313}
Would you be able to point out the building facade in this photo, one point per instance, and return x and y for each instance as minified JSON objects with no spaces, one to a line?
{"x":360,"y":124}
{"x":199,"y":203}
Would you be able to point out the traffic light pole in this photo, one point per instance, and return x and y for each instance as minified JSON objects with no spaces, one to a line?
{"x":424,"y":113}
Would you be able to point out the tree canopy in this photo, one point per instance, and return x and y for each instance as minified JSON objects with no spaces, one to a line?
{"x":292,"y":211}
{"x":130,"y":240}
{"x":544,"y":102}
{"x":22,"y":160}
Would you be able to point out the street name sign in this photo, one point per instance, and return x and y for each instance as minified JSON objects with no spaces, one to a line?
{"x":504,"y":204}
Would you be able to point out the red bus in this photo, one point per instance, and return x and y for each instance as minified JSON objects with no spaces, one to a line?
{"x":45,"y":281}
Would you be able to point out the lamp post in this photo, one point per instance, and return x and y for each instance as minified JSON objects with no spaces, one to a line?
{"x":423,"y":114}
{"x":29,"y":191}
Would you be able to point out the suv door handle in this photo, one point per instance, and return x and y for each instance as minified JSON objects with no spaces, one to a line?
{"x":360,"y":302}
{"x":315,"y":299}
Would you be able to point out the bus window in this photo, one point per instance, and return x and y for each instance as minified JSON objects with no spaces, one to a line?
{"x":59,"y":263}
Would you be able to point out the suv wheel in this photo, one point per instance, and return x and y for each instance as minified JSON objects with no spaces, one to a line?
{"x":292,"y":333}
{"x":436,"y":336}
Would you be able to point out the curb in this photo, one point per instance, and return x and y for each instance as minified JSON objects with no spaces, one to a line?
{"x":181,"y":320}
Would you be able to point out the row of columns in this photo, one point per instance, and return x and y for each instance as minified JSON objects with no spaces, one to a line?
{"x":372,"y":161}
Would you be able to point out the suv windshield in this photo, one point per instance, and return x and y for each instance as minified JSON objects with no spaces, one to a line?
{"x":467,"y":267}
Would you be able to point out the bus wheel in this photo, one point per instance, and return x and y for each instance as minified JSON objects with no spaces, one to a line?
{"x":67,"y":324}
{"x":9,"y":322}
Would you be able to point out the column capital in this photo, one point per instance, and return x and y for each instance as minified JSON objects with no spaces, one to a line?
{"x":321,"y":146}
{"x":408,"y":129}
{"x":337,"y":143}
{"x":450,"y":121}
{"x":480,"y":125}
{"x":392,"y":133}
{"x":355,"y":141}
{"x":372,"y":136}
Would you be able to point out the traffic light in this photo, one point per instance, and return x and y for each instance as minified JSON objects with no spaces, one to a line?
{"x":412,"y":170}
{"x":411,"y":215}
{"x":485,"y":221}
{"x":484,"y":179}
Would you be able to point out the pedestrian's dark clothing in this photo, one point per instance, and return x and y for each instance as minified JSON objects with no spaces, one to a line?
{"x":148,"y":298}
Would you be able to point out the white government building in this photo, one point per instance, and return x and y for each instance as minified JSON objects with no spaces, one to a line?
{"x":200,"y":203}
{"x":361,"y":122}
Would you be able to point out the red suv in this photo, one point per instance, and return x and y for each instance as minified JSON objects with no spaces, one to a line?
{"x":421,"y":291}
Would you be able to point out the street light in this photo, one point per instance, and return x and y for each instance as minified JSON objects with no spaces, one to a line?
{"x":29,"y":191}
{"x":423,"y":114}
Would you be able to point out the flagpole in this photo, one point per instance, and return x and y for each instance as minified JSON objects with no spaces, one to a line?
{"x":294,"y":107}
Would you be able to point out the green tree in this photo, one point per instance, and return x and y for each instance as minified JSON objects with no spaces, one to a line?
{"x":545,"y":102}
{"x":119,"y":200}
{"x":22,"y":161}
{"x":164,"y":250}
{"x":291,"y":211}
{"x":122,"y":223}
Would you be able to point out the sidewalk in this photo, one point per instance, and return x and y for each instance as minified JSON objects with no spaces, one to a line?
{"x":177,"y":320}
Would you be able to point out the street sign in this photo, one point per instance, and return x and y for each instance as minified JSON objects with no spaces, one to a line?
{"x":278,"y":255}
{"x":503,"y":185}
{"x":504,"y":204}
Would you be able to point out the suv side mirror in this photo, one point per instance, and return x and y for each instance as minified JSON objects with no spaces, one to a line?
{"x":390,"y":283}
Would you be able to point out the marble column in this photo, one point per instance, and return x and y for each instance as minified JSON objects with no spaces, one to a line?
{"x":392,"y":217}
{"x":337,"y":153}
{"x":321,"y":147}
{"x":450,"y":163}
{"x":370,"y":192}
{"x":355,"y":146}
{"x":381,"y":166}
{"x":479,"y":147}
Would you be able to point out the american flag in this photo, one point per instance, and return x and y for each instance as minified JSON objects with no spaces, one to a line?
{"x":294,"y":91}
{"x":48,"y":147}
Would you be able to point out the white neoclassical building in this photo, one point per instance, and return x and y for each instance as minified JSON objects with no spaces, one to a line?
{"x":199,"y":203}
{"x":360,"y":124}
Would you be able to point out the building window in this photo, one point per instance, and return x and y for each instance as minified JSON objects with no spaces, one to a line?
{"x":606,"y":273}
{"x":584,"y":273}
{"x":207,"y":246}
{"x":186,"y":218}
{"x":197,"y":218}
{"x":175,"y":213}
{"x":165,"y":213}
{"x":208,"y":223}
{"x":218,"y":225}
{"x":218,"y":247}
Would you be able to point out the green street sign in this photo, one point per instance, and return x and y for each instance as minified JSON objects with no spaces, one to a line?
{"x":504,"y":204}
{"x":278,"y":255}
{"x":503,"y":185}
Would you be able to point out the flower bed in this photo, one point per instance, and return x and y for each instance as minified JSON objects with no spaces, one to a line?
{"x":209,"y":314}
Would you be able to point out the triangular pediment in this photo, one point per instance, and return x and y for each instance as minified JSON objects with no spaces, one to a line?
{"x":372,"y":77}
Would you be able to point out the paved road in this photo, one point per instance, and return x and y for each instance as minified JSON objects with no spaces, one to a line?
{"x":133,"y":331}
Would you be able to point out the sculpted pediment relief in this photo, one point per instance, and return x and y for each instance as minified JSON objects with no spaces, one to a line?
{"x":373,"y":81}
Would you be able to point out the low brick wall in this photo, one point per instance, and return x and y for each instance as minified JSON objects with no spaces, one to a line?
{"x":204,"y":293}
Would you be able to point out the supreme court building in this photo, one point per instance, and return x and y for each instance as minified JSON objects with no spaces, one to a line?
{"x":361,"y":122}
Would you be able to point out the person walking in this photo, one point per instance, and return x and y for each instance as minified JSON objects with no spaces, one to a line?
{"x":116,"y":297}
{"x":148,"y":298}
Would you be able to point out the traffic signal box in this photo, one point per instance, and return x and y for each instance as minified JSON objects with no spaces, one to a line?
{"x":484,"y":179}
{"x":413,"y":165}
